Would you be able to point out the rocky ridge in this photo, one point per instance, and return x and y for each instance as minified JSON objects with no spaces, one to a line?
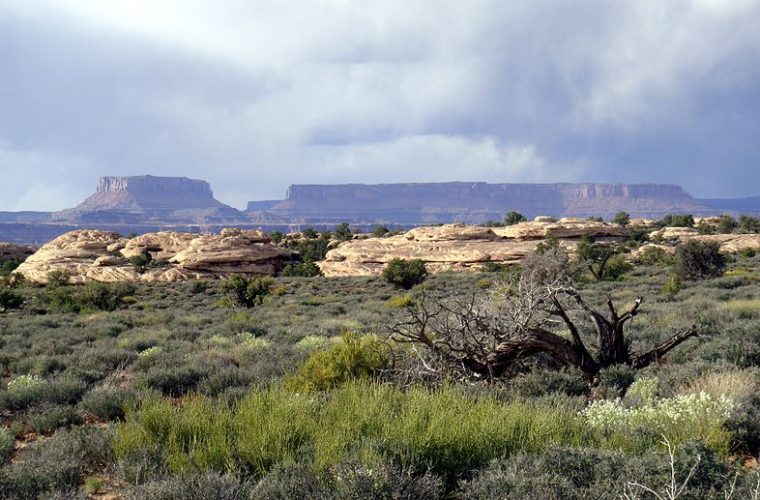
{"x":473,"y":202}
{"x":456,"y":247}
{"x":93,"y":255}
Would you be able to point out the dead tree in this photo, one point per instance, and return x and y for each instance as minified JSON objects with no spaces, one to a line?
{"x":540,"y":313}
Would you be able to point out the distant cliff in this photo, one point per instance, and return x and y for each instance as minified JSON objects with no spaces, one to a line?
{"x":476,"y":202}
{"x":141,"y":199}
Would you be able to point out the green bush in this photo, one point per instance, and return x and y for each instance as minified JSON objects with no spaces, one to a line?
{"x":247,"y":292}
{"x":6,"y":445}
{"x":353,"y":357}
{"x":727,"y":224}
{"x":90,"y":297}
{"x":404,"y":273}
{"x":57,"y":466}
{"x":8,"y":266}
{"x":699,"y":260}
{"x":686,"y":220}
{"x":343,"y":232}
{"x":107,"y":402}
{"x":622,"y":218}
{"x":654,"y":256}
{"x":442,"y":430}
{"x":9,"y":299}
{"x":544,"y":382}
{"x":304,"y":269}
{"x":749,"y":224}
{"x":48,"y":418}
{"x":513,"y":218}
{"x":582,"y":473}
{"x":141,"y":261}
{"x":195,"y":486}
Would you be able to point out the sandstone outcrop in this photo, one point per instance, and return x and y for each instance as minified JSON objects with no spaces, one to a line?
{"x":450,"y":247}
{"x":673,"y":233}
{"x":729,"y":243}
{"x":733,"y":243}
{"x":563,"y":228}
{"x":92,"y":255}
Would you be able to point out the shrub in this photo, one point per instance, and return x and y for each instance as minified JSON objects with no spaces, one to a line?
{"x":9,"y":299}
{"x":513,"y":218}
{"x":672,"y":286}
{"x":48,"y":418}
{"x":622,"y":218}
{"x":313,"y":250}
{"x":698,"y":260}
{"x":727,"y":224}
{"x":248,"y":292}
{"x":654,"y":256}
{"x":617,"y":266}
{"x":172,"y":381}
{"x":107,"y":402}
{"x":6,"y":445}
{"x":686,"y":220}
{"x":444,"y":431}
{"x":749,"y":224}
{"x":681,"y":418}
{"x":380,"y":231}
{"x":400,"y":301}
{"x":343,"y":232}
{"x":8,"y":266}
{"x":291,"y":481}
{"x":306,"y":269}
{"x":57,"y":278}
{"x":544,"y":382}
{"x":617,"y":378}
{"x":404,"y":273}
{"x":57,"y":465}
{"x":141,"y":261}
{"x":197,"y":486}
{"x":310,"y":233}
{"x":276,"y":237}
{"x":92,"y":485}
{"x":354,"y":357}
{"x":92,"y":296}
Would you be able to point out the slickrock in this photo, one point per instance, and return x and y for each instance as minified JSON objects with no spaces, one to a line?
{"x":563,"y":228}
{"x":733,"y":243}
{"x":90,"y":255}
{"x":443,"y":248}
{"x":673,"y":233}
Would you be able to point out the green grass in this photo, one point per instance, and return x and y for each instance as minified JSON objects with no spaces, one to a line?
{"x":443,"y":430}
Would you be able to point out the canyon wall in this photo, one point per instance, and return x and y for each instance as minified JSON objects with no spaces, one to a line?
{"x":426,"y":203}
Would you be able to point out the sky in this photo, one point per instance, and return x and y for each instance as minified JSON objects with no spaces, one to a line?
{"x":253,"y":96}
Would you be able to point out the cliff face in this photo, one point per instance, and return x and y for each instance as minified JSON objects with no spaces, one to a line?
{"x":135,"y":200}
{"x":477,"y":202}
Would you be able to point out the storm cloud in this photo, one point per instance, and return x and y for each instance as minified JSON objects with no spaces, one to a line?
{"x":253,"y":96}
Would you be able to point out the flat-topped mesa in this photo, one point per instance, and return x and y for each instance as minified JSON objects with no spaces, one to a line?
{"x":143,"y":198}
{"x":147,"y":192}
{"x":475,"y":202}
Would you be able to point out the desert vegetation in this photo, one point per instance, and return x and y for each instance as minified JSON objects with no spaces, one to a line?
{"x":552,"y":379}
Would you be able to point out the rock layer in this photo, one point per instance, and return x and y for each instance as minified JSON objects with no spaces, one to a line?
{"x":91,"y":255}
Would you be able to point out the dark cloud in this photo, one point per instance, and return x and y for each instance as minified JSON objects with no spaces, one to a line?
{"x":259,"y":95}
